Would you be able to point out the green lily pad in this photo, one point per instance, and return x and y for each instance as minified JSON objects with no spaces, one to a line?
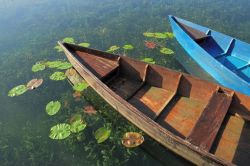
{"x":113,"y":48}
{"x":102,"y":134}
{"x":84,"y":44}
{"x":148,"y":34}
{"x":169,"y":35}
{"x":57,"y":76}
{"x":149,"y":60}
{"x":128,"y":47}
{"x":160,"y":35}
{"x":77,"y":126}
{"x":18,"y":90}
{"x":58,"y":48}
{"x":64,"y":66}
{"x":38,"y":67}
{"x":167,"y":51}
{"x":80,"y":86}
{"x":69,"y":40}
{"x":53,"y":107}
{"x":60,"y":131}
{"x":53,"y":64}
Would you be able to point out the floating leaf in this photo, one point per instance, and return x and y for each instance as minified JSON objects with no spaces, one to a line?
{"x":69,"y":40}
{"x":60,"y":131}
{"x":150,"y":44}
{"x":169,"y":35}
{"x":53,"y":107}
{"x":148,"y":34}
{"x":80,"y":86}
{"x":77,"y":126}
{"x":58,"y":48}
{"x":53,"y":64}
{"x":18,"y":90}
{"x":57,"y":76}
{"x":64,"y":65}
{"x":102,"y":134}
{"x":148,"y":60}
{"x":75,"y":117}
{"x":128,"y":47}
{"x":90,"y":110}
{"x":160,"y":35}
{"x":113,"y":48}
{"x":132,"y":139}
{"x":38,"y":67}
{"x":34,"y":83}
{"x":167,"y":51}
{"x":84,"y":44}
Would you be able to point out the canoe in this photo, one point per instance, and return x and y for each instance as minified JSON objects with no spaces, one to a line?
{"x":225,"y":58}
{"x":203,"y":122}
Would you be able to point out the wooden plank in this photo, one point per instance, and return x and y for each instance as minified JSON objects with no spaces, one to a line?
{"x":205,"y":130}
{"x":100,"y":66}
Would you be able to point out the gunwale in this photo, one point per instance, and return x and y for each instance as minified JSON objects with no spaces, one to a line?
{"x":153,"y":129}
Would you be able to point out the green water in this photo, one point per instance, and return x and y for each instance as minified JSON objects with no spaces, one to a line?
{"x":29,"y":31}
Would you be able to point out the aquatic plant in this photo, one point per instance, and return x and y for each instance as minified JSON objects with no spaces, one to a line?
{"x":132,"y":139}
{"x":53,"y":107}
{"x":113,"y":48}
{"x":67,"y":40}
{"x":150,"y":44}
{"x":77,"y":125}
{"x":58,"y":64}
{"x":34,"y":83}
{"x":167,"y":51}
{"x":80,"y":86}
{"x":90,"y":110}
{"x":38,"y":67}
{"x":148,"y":34}
{"x":73,"y":76}
{"x":60,"y":131}
{"x":64,"y":66}
{"x":149,"y":60}
{"x":128,"y":47}
{"x":84,"y":44}
{"x":102,"y":134}
{"x":57,"y":76}
{"x":159,"y":35}
{"x":18,"y":90}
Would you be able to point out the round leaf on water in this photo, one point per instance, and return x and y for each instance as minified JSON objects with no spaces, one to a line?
{"x":128,"y":47}
{"x":57,"y":76}
{"x":148,"y":34}
{"x":80,"y":86}
{"x":53,"y":64}
{"x":53,"y":107}
{"x":58,"y":48}
{"x":69,"y":40}
{"x":34,"y":83}
{"x":18,"y":90}
{"x":84,"y":44}
{"x":113,"y":48}
{"x":102,"y":134}
{"x":60,"y":131}
{"x":148,"y":60}
{"x":132,"y":139}
{"x":77,"y":126}
{"x":160,"y":35}
{"x":64,"y":65}
{"x":167,"y":51}
{"x":169,"y":35}
{"x":38,"y":67}
{"x":150,"y":44}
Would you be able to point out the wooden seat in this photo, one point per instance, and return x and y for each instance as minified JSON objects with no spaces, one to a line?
{"x":206,"y":128}
{"x":100,"y":66}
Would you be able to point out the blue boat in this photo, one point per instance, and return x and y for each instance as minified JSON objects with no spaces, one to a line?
{"x":225,"y":58}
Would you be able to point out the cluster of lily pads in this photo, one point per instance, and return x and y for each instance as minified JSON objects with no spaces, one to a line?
{"x":71,"y":41}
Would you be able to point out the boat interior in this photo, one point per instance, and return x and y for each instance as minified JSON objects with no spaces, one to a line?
{"x":232,"y":53}
{"x":210,"y":117}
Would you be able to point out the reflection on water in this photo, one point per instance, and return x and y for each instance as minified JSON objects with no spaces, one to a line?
{"x":28,"y":33}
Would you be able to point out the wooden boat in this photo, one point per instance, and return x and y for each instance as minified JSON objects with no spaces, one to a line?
{"x":225,"y":58}
{"x":201,"y":121}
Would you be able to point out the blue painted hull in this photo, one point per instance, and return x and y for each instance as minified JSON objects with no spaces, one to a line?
{"x":226,"y":59}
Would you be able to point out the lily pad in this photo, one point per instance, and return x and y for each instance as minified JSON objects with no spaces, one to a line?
{"x":53,"y":107}
{"x":80,"y":86}
{"x":57,"y":76}
{"x":53,"y":64}
{"x":34,"y":83}
{"x":84,"y":44}
{"x":69,"y":40}
{"x":64,"y":65}
{"x":18,"y":90}
{"x":38,"y":67}
{"x":60,"y":131}
{"x":90,"y":110}
{"x":132,"y":139}
{"x":149,"y":60}
{"x":148,"y":34}
{"x":160,"y":35}
{"x":77,"y":126}
{"x":167,"y":51}
{"x":102,"y":134}
{"x":113,"y":48}
{"x":150,"y":44}
{"x":58,"y":48}
{"x":128,"y":47}
{"x":169,"y":35}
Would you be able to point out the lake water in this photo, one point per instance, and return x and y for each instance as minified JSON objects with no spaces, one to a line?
{"x":29,"y":31}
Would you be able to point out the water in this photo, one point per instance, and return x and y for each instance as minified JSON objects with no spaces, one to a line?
{"x":28,"y":33}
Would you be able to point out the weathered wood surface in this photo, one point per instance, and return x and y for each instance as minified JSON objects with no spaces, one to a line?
{"x":188,"y":91}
